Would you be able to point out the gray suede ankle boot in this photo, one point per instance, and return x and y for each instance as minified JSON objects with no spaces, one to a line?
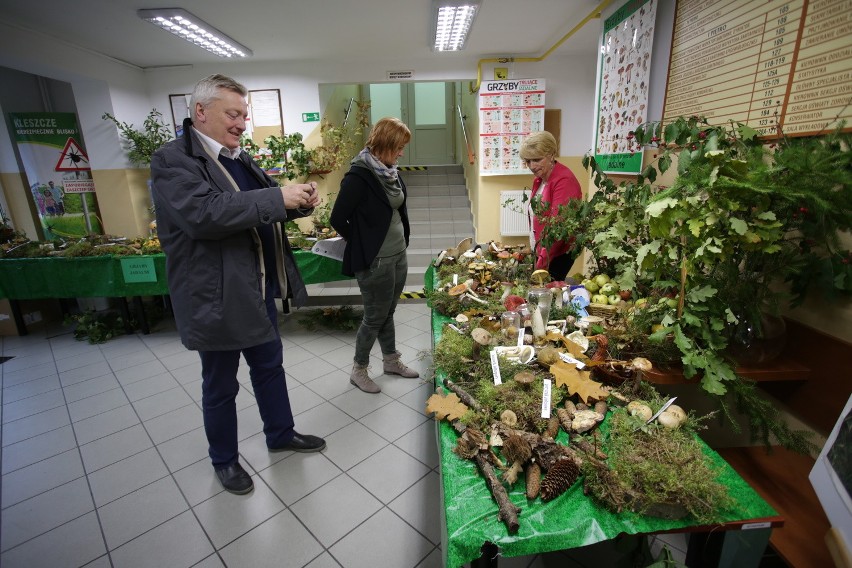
{"x":393,"y":366}
{"x":362,"y":380}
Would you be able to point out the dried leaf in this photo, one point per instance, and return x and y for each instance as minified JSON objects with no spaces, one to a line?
{"x":445,"y":407}
{"x":578,"y":382}
{"x":575,"y":349}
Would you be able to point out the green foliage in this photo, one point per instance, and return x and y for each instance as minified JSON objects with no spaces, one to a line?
{"x":744,"y":227}
{"x":143,"y":143}
{"x":95,"y":327}
{"x":652,"y":466}
{"x":341,"y":318}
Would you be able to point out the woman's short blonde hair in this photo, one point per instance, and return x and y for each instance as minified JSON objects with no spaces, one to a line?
{"x":538,"y":145}
{"x":387,"y":135}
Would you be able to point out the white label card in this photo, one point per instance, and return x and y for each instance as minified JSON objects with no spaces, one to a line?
{"x":521,"y":336}
{"x":568,"y":359}
{"x":455,"y":279}
{"x":752,"y":526}
{"x":495,"y":368}
{"x":545,"y":399}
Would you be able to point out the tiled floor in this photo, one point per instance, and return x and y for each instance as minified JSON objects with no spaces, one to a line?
{"x":104,"y":459}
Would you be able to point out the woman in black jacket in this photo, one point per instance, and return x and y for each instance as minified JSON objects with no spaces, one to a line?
{"x":370,"y":214}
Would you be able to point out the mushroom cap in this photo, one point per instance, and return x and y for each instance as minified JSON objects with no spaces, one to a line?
{"x":556,"y":284}
{"x":524,"y":377}
{"x":512,"y":301}
{"x":540,"y":277}
{"x":481,"y":336}
{"x":508,"y":417}
{"x":461,"y":318}
{"x":641,"y":364}
{"x":465,"y":244}
{"x":458,"y":289}
{"x":504,"y":254}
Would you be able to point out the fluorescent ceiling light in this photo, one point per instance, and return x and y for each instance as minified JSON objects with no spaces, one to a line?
{"x":451,"y":23}
{"x":195,"y":30}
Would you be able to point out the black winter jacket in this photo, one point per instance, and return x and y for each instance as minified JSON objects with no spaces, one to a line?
{"x":362,"y":215}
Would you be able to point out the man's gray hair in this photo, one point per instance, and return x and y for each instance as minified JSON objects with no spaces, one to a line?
{"x":207,"y":90}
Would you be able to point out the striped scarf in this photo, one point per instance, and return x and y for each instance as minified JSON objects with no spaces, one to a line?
{"x":388,"y":173}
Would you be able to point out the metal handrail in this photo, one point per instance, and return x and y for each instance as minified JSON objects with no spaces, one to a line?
{"x":470,"y":154}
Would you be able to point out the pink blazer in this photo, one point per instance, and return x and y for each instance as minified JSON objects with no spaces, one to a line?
{"x":561,"y":187}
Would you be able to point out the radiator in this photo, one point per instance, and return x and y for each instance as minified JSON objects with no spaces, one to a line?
{"x":513,"y":214}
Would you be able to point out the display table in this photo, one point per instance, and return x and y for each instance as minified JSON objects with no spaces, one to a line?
{"x":573,"y":520}
{"x":105,"y":277}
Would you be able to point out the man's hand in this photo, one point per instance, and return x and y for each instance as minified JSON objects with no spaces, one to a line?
{"x":300,"y":196}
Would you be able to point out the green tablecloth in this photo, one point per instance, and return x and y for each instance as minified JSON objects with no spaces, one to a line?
{"x":569,"y":521}
{"x":102,"y":276}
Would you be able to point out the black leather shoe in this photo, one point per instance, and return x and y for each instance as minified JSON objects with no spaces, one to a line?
{"x":235,"y":479}
{"x":302,"y":443}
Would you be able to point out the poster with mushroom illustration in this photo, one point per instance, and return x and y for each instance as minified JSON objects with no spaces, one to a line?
{"x":625,"y":65}
{"x":508,"y":111}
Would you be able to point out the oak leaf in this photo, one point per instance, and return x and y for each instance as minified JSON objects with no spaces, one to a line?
{"x":578,"y":382}
{"x":445,"y":407}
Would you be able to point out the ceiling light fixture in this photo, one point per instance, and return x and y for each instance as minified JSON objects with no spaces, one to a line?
{"x":451,"y":23}
{"x":195,"y":30}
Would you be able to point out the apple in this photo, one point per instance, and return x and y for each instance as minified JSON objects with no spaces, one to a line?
{"x":601,"y":279}
{"x":625,"y":294}
{"x":609,"y":289}
{"x":671,"y":302}
{"x":641,"y":302}
{"x":614,"y":298}
{"x":590,"y":285}
{"x":600,"y":299}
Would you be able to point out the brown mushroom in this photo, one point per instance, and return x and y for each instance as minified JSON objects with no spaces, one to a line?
{"x":458,"y":289}
{"x":524,"y":378}
{"x":518,"y":451}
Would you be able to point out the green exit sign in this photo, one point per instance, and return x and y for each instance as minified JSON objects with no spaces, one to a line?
{"x":310,"y":117}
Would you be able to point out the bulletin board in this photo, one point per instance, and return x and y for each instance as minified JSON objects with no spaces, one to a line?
{"x":265,"y":115}
{"x":764,"y":64}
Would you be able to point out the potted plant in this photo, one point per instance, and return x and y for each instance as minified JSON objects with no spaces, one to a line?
{"x":284,"y":157}
{"x":143,"y":143}
{"x":339,"y":142}
{"x":743,"y":227}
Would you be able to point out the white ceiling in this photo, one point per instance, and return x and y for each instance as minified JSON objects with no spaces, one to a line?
{"x":277,"y":30}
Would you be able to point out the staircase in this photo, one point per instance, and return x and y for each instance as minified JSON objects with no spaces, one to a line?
{"x":439,"y":215}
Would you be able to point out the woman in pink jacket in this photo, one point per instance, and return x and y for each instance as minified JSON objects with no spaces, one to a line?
{"x":554,"y":185}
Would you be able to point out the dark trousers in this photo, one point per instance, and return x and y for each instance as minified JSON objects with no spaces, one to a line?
{"x":380,"y":285}
{"x":560,"y":265}
{"x":219,"y":389}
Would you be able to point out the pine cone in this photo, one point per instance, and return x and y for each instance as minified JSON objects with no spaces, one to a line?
{"x":559,"y":478}
{"x":552,"y":427}
{"x":565,"y":418}
{"x":533,"y":475}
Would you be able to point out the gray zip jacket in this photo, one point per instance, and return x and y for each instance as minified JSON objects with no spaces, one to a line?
{"x":214,"y":259}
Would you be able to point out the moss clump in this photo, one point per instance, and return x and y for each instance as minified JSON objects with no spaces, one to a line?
{"x":651,"y":467}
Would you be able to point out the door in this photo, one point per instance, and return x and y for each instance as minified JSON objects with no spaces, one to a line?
{"x":427,"y":109}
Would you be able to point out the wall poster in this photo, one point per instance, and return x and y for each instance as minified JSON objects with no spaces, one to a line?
{"x":763,"y":63}
{"x":58,"y":173}
{"x":508,"y":111}
{"x":625,"y":66}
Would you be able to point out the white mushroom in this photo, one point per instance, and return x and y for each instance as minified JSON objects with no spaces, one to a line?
{"x":640,"y":409}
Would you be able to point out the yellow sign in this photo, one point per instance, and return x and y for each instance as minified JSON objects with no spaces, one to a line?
{"x":501,"y":73}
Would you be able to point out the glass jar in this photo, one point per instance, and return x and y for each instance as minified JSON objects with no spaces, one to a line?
{"x":510,"y":326}
{"x":539,"y":300}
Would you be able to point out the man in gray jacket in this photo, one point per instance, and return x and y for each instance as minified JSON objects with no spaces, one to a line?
{"x":219,"y":221}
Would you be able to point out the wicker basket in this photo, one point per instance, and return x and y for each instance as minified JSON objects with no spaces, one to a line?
{"x":601,"y":310}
